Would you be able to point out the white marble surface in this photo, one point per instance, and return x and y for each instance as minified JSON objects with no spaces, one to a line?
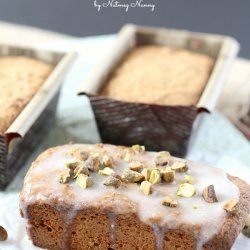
{"x":217,"y":142}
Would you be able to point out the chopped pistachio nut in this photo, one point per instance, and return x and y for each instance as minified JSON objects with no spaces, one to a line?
{"x":209,"y":195}
{"x":117,"y":176}
{"x":81,"y":155}
{"x":146,"y":173}
{"x":95,"y":154}
{"x":138,"y":148}
{"x":113,"y":182}
{"x":146,"y":187}
{"x":72,"y":165}
{"x":166,"y":201}
{"x":155,"y":176}
{"x":128,"y":150}
{"x":106,"y":171}
{"x":83,"y":181}
{"x":180,"y":166}
{"x":65,"y":176}
{"x":3,"y":234}
{"x":119,"y":155}
{"x":93,"y":164}
{"x":107,"y":161}
{"x":131,"y":176}
{"x":231,"y":206}
{"x":246,"y":229}
{"x":72,"y":151}
{"x":189,"y":179}
{"x":167,"y":175}
{"x":162,"y":158}
{"x":195,"y":206}
{"x":136,"y":166}
{"x":128,"y":157}
{"x":186,"y":190}
{"x":81,"y":169}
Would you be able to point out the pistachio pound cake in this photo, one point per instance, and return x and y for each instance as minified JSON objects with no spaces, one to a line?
{"x":112,"y":197}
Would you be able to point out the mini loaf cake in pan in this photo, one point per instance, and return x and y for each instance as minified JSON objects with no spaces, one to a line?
{"x":160,"y":75}
{"x":154,"y":84}
{"x":20,"y":79}
{"x":112,"y":197}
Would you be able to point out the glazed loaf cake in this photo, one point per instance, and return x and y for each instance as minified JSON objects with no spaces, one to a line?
{"x":20,"y":79}
{"x":110,"y":197}
{"x":160,"y":75}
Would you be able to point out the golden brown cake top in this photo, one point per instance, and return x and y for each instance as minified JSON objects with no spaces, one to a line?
{"x":164,"y":191}
{"x":160,"y":75}
{"x":20,"y":79}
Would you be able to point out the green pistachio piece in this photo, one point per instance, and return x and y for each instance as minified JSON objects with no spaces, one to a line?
{"x":246,"y":229}
{"x":117,"y":176}
{"x":65,"y":176}
{"x":146,"y":187}
{"x":81,"y":155}
{"x":72,"y":165}
{"x":128,"y":157}
{"x":111,"y":181}
{"x":83,"y":181}
{"x":107,"y":161}
{"x":93,"y":164}
{"x":138,"y":148}
{"x":167,"y":175}
{"x":231,"y":206}
{"x":136,"y":166}
{"x":155,"y":176}
{"x":189,"y":179}
{"x":209,"y":195}
{"x":162,"y":158}
{"x":131,"y":176}
{"x":106,"y":171}
{"x":95,"y":154}
{"x":167,"y":201}
{"x":186,"y":190}
{"x":81,"y":169}
{"x":180,"y":166}
{"x":146,"y":173}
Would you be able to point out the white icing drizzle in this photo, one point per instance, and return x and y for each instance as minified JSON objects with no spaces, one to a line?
{"x":112,"y":218}
{"x":66,"y":239}
{"x":41,"y":185}
{"x":159,"y":236}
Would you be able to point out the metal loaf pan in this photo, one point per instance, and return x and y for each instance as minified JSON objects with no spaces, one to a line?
{"x":33,"y":122}
{"x":158,"y":127}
